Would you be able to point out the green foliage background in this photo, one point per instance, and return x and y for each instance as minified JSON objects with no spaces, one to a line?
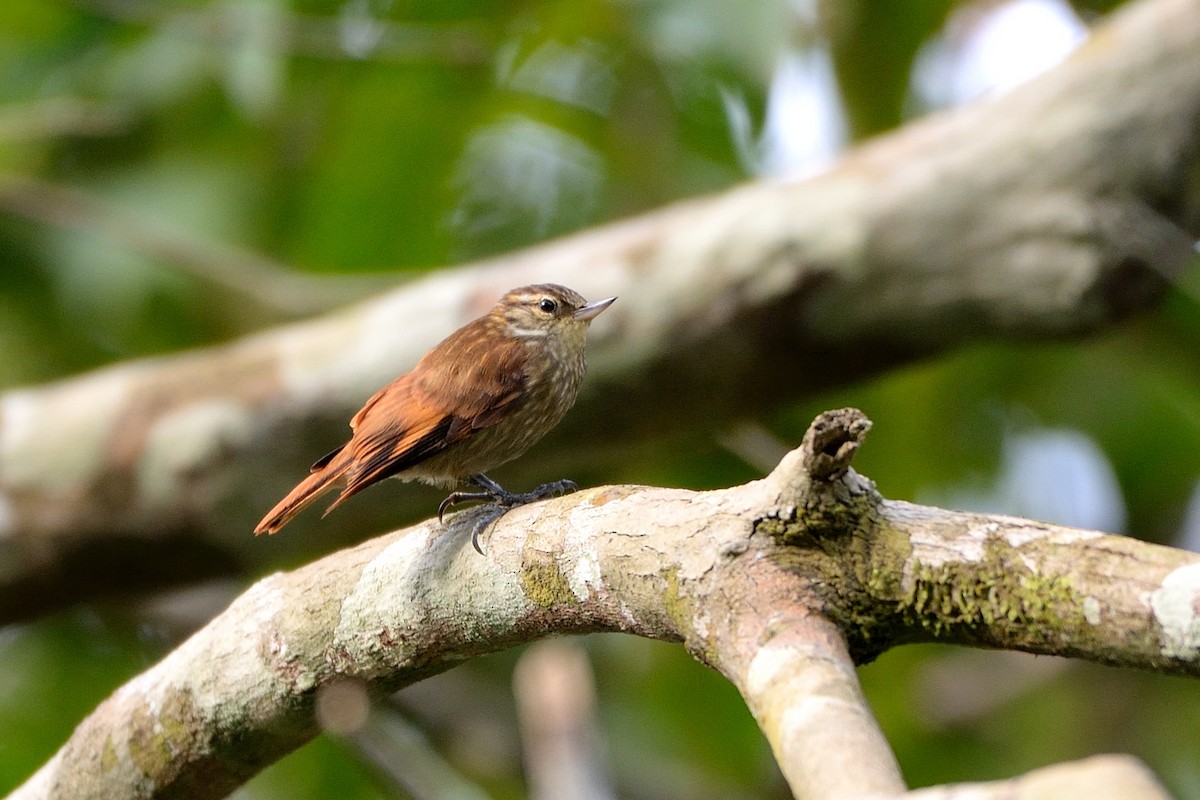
{"x":167,"y":168}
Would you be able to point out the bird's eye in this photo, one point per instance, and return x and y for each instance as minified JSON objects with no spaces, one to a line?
{"x":547,"y":305}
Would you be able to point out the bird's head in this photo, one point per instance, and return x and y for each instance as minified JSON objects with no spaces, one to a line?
{"x":548,"y":310}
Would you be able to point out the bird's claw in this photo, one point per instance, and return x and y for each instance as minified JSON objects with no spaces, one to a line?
{"x":454,"y":498}
{"x":489,"y":516}
{"x":450,"y":500}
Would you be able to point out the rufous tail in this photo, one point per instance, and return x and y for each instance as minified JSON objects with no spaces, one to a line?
{"x":305,"y":492}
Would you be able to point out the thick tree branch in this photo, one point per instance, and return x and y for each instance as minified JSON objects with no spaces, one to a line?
{"x":1055,"y":209}
{"x":781,"y":584}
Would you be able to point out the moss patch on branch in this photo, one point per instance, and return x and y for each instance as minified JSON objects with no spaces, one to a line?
{"x":996,"y":600}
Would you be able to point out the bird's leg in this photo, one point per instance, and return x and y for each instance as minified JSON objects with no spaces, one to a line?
{"x":501,"y":499}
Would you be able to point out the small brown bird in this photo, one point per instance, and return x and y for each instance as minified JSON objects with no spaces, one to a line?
{"x":477,"y":400}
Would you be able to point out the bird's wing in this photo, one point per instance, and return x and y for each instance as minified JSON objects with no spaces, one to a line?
{"x":439,"y":404}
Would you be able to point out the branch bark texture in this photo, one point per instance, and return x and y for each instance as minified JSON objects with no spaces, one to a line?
{"x":782,"y":584}
{"x":1055,"y":209}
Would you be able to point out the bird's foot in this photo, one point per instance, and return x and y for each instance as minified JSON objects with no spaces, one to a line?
{"x":552,"y":489}
{"x":501,"y":500}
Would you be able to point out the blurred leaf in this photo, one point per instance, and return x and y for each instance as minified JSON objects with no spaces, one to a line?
{"x":874,"y":46}
{"x":54,"y":673}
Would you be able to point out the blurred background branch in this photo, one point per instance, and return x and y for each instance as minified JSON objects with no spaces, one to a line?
{"x":356,"y":33}
{"x":255,"y":286}
{"x":563,"y":752}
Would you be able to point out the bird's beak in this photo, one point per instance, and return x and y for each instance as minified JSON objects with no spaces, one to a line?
{"x":592,"y":310}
